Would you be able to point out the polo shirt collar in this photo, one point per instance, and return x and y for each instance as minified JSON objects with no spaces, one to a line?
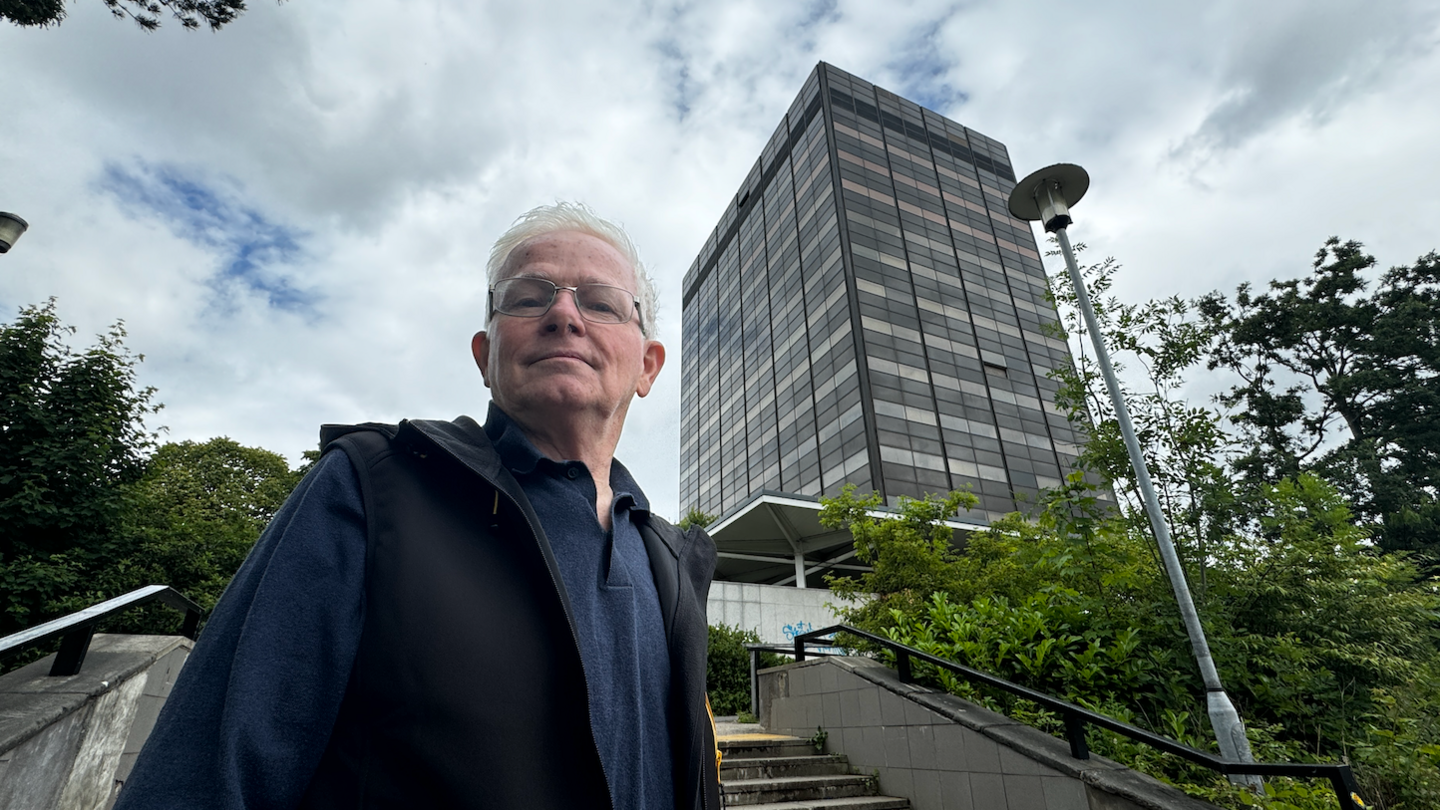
{"x":519,"y":456}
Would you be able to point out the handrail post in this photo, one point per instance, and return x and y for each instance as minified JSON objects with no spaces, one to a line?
{"x":191,"y":627}
{"x":755,"y":682}
{"x":73,"y":646}
{"x":799,"y":649}
{"x":902,"y":665}
{"x":1346,"y":789}
{"x":1075,"y":733}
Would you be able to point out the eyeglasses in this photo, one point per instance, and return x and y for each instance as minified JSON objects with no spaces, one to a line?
{"x":526,"y":297}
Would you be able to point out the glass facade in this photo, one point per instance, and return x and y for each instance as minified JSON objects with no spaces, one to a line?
{"x":868,"y":312}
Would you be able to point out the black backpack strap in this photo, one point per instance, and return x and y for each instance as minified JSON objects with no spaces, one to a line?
{"x":329,"y":433}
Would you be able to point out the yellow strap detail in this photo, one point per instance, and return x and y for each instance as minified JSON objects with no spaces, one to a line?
{"x":496,"y":510}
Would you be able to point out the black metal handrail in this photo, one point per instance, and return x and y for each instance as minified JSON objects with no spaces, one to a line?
{"x":76,"y":629}
{"x":1077,"y":718}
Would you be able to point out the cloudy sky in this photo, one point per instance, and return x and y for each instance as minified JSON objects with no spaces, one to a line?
{"x":291,"y":215}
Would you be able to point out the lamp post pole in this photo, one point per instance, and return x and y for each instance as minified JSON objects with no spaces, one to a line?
{"x":1046,"y":196}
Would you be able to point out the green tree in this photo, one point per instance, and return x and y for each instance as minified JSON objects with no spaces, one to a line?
{"x":727,"y":668}
{"x":1311,"y":622}
{"x":1185,"y":445}
{"x":1298,"y":607}
{"x":145,"y":13}
{"x":910,"y":554}
{"x":196,"y":512}
{"x":89,"y":509}
{"x":695,"y":517}
{"x":1341,"y":376}
{"x":72,"y":443}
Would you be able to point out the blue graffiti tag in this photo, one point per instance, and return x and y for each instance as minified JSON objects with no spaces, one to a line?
{"x":793,"y":630}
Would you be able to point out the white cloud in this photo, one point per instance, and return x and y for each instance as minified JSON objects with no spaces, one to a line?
{"x":390,"y":143}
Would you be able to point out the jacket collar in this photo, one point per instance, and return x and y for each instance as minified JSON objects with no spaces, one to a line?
{"x":463,"y":440}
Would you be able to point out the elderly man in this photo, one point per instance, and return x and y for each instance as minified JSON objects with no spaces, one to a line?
{"x":446,"y":614}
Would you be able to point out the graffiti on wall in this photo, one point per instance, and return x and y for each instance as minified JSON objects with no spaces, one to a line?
{"x":793,"y":630}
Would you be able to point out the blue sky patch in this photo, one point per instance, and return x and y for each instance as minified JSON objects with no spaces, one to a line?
{"x":924,"y":70}
{"x":672,"y":54}
{"x":818,"y":11}
{"x":252,"y":248}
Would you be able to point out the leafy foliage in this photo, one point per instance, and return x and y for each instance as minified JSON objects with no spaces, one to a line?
{"x":89,"y":508}
{"x":145,"y":13}
{"x":695,"y":517}
{"x":1315,"y":636}
{"x":910,"y":554}
{"x":1047,"y":641}
{"x":1183,"y":444}
{"x":195,"y":514}
{"x":727,"y":668}
{"x":33,"y":12}
{"x":72,"y":442}
{"x":1314,"y":621}
{"x":1344,"y":381}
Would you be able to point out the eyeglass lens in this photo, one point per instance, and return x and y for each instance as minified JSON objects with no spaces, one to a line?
{"x":532,"y":297}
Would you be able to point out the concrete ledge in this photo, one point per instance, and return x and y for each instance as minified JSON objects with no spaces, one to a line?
{"x":943,"y":752}
{"x":111,"y":660}
{"x":67,"y":741}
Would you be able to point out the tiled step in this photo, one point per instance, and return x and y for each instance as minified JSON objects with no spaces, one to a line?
{"x":762,"y":767}
{"x":848,"y":803}
{"x":753,"y":745}
{"x":774,"y":772}
{"x":796,"y":788}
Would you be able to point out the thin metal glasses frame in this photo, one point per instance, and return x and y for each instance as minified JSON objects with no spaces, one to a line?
{"x":586,"y":313}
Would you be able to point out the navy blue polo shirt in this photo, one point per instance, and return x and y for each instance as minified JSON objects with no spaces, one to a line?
{"x":615,"y":607}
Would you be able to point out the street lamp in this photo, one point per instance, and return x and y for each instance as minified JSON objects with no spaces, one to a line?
{"x":11,"y":227}
{"x":1046,"y":196}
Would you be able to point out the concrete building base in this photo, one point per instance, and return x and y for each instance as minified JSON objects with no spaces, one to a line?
{"x":776,"y":613}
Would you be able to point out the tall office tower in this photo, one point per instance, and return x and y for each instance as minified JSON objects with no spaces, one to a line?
{"x":867,"y":311}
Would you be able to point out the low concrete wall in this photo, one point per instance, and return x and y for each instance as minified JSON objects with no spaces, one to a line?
{"x":68,"y":742}
{"x":776,"y":613}
{"x":944,"y":753}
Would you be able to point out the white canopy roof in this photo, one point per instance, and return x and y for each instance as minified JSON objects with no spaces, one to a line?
{"x":776,"y":535}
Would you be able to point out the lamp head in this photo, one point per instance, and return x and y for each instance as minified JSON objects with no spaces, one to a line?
{"x":1046,"y":195}
{"x":11,"y":227}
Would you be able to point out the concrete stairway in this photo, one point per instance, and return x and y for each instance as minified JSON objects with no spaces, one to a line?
{"x":775,"y":772}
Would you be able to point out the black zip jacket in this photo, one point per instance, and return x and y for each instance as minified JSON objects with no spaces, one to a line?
{"x":468,"y":690}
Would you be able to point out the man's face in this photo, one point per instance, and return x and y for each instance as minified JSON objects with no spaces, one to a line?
{"x":561,"y":366}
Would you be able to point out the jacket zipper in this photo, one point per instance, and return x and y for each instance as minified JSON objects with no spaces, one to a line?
{"x":704,"y":789}
{"x":714,"y":751}
{"x":704,"y":783}
{"x":575,"y":638}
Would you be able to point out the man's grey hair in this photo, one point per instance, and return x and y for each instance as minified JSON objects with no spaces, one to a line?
{"x":568,"y":216}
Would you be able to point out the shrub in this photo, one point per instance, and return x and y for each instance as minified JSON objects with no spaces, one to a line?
{"x":1328,"y":648}
{"x":727,"y":668}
